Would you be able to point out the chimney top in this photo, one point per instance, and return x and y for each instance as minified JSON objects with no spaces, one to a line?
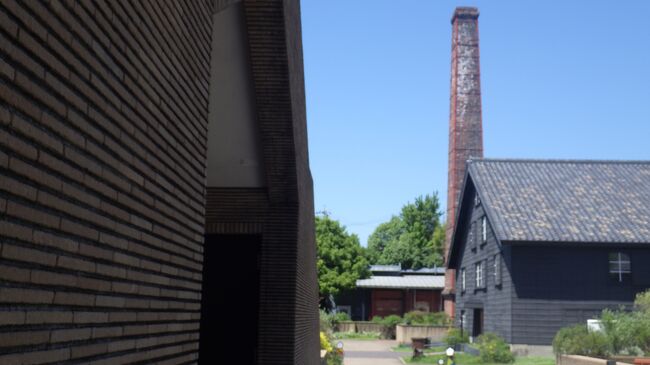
{"x":465,"y":12}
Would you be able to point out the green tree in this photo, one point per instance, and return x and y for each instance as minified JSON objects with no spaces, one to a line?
{"x":341,"y":259}
{"x":386,"y":234}
{"x":414,"y":239}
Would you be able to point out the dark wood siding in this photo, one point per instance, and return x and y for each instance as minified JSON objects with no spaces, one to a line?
{"x":495,"y":300}
{"x":559,"y":286}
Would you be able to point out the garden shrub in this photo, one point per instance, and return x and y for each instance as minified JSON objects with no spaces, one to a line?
{"x":493,"y":349}
{"x":340,"y":317}
{"x":357,"y":335}
{"x":391,"y":321}
{"x":642,"y":302}
{"x":426,"y":318}
{"x":577,"y":340}
{"x":627,"y":332}
{"x":454,"y":337}
{"x":326,"y":322}
{"x":325,"y":342}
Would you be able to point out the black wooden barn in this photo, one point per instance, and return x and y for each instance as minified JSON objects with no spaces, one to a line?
{"x":542,"y":244}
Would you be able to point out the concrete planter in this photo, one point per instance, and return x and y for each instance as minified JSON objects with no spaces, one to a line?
{"x":585,"y":360}
{"x":348,"y":326}
{"x":369,"y":327}
{"x":404,"y":333}
{"x":358,"y":326}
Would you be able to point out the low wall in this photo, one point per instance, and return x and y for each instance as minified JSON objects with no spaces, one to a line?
{"x":385,"y":332}
{"x":404,"y":333}
{"x":369,"y":327}
{"x":531,"y":350}
{"x":584,"y":360}
{"x":346,"y":327}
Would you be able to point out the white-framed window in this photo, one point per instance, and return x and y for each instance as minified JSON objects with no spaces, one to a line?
{"x":497,"y":269}
{"x":478,"y":269}
{"x":483,"y":229}
{"x":462,"y":280}
{"x":477,"y":200}
{"x":620,"y":266}
{"x":471,"y":239}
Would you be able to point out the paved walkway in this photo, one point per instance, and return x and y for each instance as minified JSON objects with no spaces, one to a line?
{"x":359,"y":352}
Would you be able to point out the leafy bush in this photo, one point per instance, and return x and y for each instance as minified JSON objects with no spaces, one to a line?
{"x":326,"y":323}
{"x":624,"y":333}
{"x":426,"y":318}
{"x":392,"y":320}
{"x":340,"y":317}
{"x":454,"y":337}
{"x":325,"y":342}
{"x":389,"y":321}
{"x":334,"y":355}
{"x":494,"y":349}
{"x":627,"y":333}
{"x":357,"y":335}
{"x":577,"y":340}
{"x":642,"y":302}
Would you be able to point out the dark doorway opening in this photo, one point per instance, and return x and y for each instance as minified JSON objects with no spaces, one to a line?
{"x":477,"y":327}
{"x":230,"y":298}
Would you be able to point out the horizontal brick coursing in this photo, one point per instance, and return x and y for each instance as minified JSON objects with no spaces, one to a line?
{"x":103,"y":127}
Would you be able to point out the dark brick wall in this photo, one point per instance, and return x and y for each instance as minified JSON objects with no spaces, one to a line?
{"x":103,"y":121}
{"x":465,"y":120}
{"x":282,"y":211}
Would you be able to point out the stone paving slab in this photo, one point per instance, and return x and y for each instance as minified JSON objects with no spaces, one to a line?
{"x":367,"y":361}
{"x":377,"y":352}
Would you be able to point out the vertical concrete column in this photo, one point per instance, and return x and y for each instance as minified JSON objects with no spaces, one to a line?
{"x":465,"y":122}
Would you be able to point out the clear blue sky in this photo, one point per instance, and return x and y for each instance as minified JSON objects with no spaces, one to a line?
{"x":560,"y":79}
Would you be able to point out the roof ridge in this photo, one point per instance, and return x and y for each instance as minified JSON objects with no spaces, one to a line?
{"x":559,"y":160}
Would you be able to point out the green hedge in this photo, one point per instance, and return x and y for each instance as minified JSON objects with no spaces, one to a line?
{"x":415,"y":318}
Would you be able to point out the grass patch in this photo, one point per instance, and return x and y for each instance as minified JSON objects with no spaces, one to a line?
{"x":357,"y":335}
{"x":408,"y":348}
{"x":466,"y":359}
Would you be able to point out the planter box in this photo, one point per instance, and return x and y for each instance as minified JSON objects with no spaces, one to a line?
{"x":404,"y":333}
{"x":584,"y":360}
{"x":369,"y":327}
{"x":346,"y":327}
{"x":349,"y":326}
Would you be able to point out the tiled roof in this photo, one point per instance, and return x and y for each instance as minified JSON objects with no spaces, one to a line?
{"x":564,"y":200}
{"x":404,"y":282}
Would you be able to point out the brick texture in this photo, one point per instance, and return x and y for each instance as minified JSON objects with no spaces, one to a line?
{"x":282,"y":212}
{"x":465,"y":121}
{"x":103,"y":127}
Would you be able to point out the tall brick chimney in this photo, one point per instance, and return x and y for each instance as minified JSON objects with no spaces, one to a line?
{"x":465,"y":121}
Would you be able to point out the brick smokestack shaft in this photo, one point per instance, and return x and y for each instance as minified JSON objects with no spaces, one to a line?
{"x":465,"y":121}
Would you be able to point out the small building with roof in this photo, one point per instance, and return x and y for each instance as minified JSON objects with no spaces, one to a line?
{"x":393,"y":290}
{"x":543,"y":244}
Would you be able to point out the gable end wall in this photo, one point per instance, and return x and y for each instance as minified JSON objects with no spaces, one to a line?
{"x":494,"y":300}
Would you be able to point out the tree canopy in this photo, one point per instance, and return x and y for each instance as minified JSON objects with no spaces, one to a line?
{"x":414,"y":239}
{"x":341,"y":259}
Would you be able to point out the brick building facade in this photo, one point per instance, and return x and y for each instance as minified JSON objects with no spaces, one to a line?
{"x":105,"y":119}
